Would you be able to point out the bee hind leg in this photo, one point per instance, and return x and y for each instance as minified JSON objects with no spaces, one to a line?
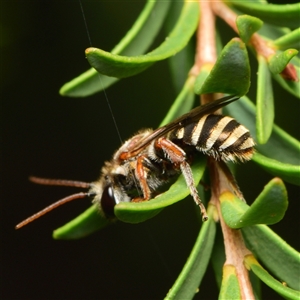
{"x":177,"y":156}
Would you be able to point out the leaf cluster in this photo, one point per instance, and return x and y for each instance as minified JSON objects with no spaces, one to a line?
{"x":272,"y":34}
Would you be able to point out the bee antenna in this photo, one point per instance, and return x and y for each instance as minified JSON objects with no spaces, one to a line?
{"x":53,"y":206}
{"x":61,"y":182}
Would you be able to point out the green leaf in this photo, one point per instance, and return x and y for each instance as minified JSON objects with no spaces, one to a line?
{"x":280,"y":155}
{"x":218,"y":256}
{"x":268,"y":208}
{"x":256,"y":286}
{"x":289,"y":40}
{"x":272,"y":32}
{"x":181,"y":63}
{"x":291,"y":86}
{"x":124,"y":66}
{"x":247,"y":25}
{"x":277,"y":286}
{"x":187,"y":283}
{"x":230,"y":74}
{"x":230,"y":288}
{"x":183,"y":102}
{"x":276,"y":255}
{"x":218,"y":260}
{"x":279,"y":61}
{"x":139,"y":212}
{"x":86,"y":223}
{"x":204,"y":73}
{"x":86,"y":84}
{"x":264,"y":102}
{"x":136,"y":41}
{"x":288,"y":172}
{"x":285,"y":15}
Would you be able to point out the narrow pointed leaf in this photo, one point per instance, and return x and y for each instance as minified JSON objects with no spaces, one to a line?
{"x":86,"y":223}
{"x":272,"y":32}
{"x":269,"y":280}
{"x":289,"y":40}
{"x":181,"y":63}
{"x":138,"y":212}
{"x":124,"y":66}
{"x":247,"y":25}
{"x":276,"y":255}
{"x":230,"y":288}
{"x":187,"y":283}
{"x":279,"y":61}
{"x":288,"y":172}
{"x":264,"y":102}
{"x":233,"y":61}
{"x":86,"y":84}
{"x":204,"y":73}
{"x":280,"y":155}
{"x":268,"y":208}
{"x":136,"y":41}
{"x":292,"y":86}
{"x":183,"y":103}
{"x":218,"y":257}
{"x":285,"y":15}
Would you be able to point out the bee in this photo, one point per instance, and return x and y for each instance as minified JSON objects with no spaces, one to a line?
{"x":151,"y":157}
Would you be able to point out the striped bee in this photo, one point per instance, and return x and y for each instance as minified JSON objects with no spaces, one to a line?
{"x":150,"y":158}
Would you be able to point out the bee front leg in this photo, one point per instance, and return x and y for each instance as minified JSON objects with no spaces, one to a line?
{"x":177,"y":156}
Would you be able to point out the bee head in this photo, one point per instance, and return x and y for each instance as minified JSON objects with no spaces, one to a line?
{"x":109,"y":190}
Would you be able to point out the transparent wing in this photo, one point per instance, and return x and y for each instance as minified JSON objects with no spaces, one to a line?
{"x":191,"y":116}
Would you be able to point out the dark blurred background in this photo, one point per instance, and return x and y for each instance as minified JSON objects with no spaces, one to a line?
{"x":44,"y":134}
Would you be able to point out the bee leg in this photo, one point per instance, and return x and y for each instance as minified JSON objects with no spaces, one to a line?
{"x":138,"y":199}
{"x":177,"y":156}
{"x":141,"y":173}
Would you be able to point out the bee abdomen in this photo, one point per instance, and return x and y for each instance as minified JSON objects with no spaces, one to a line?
{"x":219,"y":136}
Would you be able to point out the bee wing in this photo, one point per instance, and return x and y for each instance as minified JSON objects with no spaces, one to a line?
{"x":191,"y":116}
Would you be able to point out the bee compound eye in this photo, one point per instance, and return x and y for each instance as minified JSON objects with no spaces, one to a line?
{"x":108,"y":201}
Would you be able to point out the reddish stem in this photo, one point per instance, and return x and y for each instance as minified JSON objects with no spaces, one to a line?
{"x":259,"y":44}
{"x":206,"y":54}
{"x":235,"y":248}
{"x":206,"y":46}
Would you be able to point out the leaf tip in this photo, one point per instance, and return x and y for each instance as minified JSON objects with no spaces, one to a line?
{"x":89,"y":50}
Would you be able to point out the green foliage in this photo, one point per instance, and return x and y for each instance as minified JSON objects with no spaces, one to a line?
{"x":233,"y":61}
{"x":189,"y":279}
{"x":230,"y":288}
{"x":124,"y":66}
{"x":264,"y":102}
{"x":281,"y":259}
{"x":135,"y":42}
{"x":276,"y":152}
{"x":281,"y":15}
{"x":268,"y":208}
{"x":83,"y":225}
{"x":247,"y":25}
{"x":280,"y":155}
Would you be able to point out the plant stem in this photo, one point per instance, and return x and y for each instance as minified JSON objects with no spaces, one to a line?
{"x":235,"y":248}
{"x":206,"y":54}
{"x":257,"y":42}
{"x":206,"y":39}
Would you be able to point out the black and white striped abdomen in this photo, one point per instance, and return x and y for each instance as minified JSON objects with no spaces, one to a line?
{"x":219,"y":136}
